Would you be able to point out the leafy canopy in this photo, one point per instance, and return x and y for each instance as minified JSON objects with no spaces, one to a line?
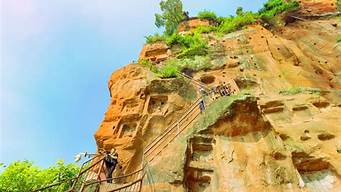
{"x":171,"y":16}
{"x":23,"y":176}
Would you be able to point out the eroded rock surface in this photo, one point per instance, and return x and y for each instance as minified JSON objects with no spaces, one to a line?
{"x":278,"y":139}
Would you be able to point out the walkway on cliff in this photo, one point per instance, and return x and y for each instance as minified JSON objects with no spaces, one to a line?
{"x":91,"y":170}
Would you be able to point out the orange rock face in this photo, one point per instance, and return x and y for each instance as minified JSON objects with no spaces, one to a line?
{"x":155,"y":52}
{"x":317,"y":6}
{"x":141,"y":107}
{"x":285,"y":136}
{"x":191,"y":24}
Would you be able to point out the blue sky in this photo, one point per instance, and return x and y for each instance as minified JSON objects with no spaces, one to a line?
{"x":56,"y":58}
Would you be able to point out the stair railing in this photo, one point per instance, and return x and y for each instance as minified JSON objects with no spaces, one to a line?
{"x":73,"y":180}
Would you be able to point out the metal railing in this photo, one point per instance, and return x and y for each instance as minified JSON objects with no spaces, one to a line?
{"x":162,"y":141}
{"x":72,"y":181}
{"x":194,"y":82}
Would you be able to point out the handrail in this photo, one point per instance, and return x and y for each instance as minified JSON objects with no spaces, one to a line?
{"x":65,"y":180}
{"x":85,"y":171}
{"x":195,"y":81}
{"x":129,"y":184}
{"x":184,"y":127}
{"x":160,"y":141}
{"x":119,"y":177}
{"x":166,"y":133}
{"x":54,"y":184}
{"x":173,"y":125}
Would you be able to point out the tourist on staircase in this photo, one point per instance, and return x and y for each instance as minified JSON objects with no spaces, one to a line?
{"x":202,"y":105}
{"x":111,"y":161}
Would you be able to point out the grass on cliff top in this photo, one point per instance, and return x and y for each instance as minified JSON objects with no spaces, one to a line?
{"x":190,"y":44}
{"x":216,"y":110}
{"x":196,"y":44}
{"x":171,"y":67}
{"x":298,"y":90}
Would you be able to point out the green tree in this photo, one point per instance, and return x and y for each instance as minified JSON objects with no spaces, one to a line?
{"x":171,"y":16}
{"x":23,"y":176}
{"x":239,"y":11}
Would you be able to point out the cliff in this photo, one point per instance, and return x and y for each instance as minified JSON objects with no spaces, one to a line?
{"x":279,"y":130}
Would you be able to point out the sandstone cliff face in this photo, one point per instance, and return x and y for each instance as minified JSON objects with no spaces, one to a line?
{"x":141,"y":107}
{"x":317,"y":6}
{"x":192,"y":23}
{"x":285,"y":136}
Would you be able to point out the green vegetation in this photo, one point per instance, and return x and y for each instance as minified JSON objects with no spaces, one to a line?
{"x":189,"y":46}
{"x":149,"y":65}
{"x":168,"y":71}
{"x":216,"y":110}
{"x":196,"y":63}
{"x":155,"y":38}
{"x":338,"y":3}
{"x":171,"y":16}
{"x":23,"y":176}
{"x":275,"y":7}
{"x":208,"y":15}
{"x":234,"y":23}
{"x":173,"y":66}
{"x":298,"y":90}
{"x":180,"y":85}
{"x":338,"y":39}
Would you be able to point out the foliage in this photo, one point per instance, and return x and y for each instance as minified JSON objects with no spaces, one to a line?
{"x":208,"y":15}
{"x":231,"y":24}
{"x":216,"y":110}
{"x":338,"y":39}
{"x":171,"y":16}
{"x":173,"y":66}
{"x":191,"y":44}
{"x":338,"y":4}
{"x":23,"y":176}
{"x":205,"y":29}
{"x":298,"y":90}
{"x":196,"y":63}
{"x":149,"y":65}
{"x":274,"y":7}
{"x":168,"y":71}
{"x":155,"y":38}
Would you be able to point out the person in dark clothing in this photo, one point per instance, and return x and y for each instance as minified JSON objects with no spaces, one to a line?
{"x":202,"y":106}
{"x":110,"y":163}
{"x":186,"y":15}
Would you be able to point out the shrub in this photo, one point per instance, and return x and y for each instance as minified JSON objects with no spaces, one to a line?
{"x":191,"y":44}
{"x":231,"y":23}
{"x":168,"y":71}
{"x":23,"y":176}
{"x":146,"y":63}
{"x":274,"y":7}
{"x":155,"y":38}
{"x":208,"y":15}
{"x":196,"y":63}
{"x":205,"y":29}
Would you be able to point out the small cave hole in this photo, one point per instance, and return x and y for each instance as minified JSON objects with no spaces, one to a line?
{"x":207,"y":79}
{"x":325,"y":136}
